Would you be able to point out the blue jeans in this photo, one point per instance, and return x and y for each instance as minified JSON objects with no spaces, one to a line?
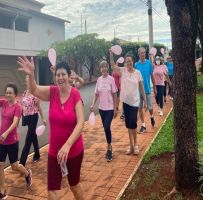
{"x":107,"y":117}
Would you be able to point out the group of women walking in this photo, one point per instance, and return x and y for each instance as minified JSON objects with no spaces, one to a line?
{"x":66,"y":115}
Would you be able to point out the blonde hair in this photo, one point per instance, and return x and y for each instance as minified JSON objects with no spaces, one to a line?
{"x":103,"y":63}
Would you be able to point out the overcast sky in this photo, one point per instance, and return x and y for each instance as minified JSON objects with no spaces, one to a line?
{"x":129,"y":18}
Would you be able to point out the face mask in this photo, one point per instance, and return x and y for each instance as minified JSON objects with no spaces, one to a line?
{"x":158,"y":62}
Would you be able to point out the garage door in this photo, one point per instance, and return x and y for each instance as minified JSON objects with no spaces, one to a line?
{"x":9,"y":73}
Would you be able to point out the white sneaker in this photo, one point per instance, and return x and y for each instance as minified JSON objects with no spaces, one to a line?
{"x":161,"y":113}
{"x":159,"y":109}
{"x":136,"y":150}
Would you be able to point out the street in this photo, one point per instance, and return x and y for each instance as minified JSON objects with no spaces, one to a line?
{"x":87,"y":93}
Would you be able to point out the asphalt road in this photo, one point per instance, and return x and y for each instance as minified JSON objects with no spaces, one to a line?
{"x":87,"y":93}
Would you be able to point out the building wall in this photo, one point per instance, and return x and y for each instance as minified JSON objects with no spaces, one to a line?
{"x":42,"y":33}
{"x":24,"y":4}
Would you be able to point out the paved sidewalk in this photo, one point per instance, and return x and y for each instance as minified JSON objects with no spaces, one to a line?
{"x":101,"y":180}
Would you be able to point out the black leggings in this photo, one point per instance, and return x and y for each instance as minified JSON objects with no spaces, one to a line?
{"x":159,"y":96}
{"x":107,"y":117}
{"x":31,"y":138}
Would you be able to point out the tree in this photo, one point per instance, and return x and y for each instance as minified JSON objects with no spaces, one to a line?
{"x":184,"y":20}
{"x":83,"y":51}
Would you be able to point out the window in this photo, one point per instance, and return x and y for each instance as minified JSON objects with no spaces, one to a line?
{"x":6,"y":21}
{"x":21,"y":24}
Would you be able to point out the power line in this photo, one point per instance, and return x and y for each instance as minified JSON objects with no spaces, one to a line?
{"x":164,"y":19}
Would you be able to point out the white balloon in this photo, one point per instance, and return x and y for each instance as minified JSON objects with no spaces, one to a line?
{"x":52,"y":56}
{"x":116,"y":49}
{"x":40,"y":130}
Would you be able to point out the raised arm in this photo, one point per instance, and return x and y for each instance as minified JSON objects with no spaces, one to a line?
{"x":42,"y":92}
{"x":79,"y":81}
{"x":114,"y":67}
{"x":53,"y":69}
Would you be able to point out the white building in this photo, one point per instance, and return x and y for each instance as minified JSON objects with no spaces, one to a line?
{"x":25,"y":30}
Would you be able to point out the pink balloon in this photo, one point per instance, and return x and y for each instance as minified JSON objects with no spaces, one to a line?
{"x":153,"y":51}
{"x":162,"y":51}
{"x":120,"y":60}
{"x":40,"y":130}
{"x":116,"y":49}
{"x":52,"y":56}
{"x":92,"y":119}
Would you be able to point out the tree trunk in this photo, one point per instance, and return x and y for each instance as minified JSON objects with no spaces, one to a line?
{"x":183,"y":20}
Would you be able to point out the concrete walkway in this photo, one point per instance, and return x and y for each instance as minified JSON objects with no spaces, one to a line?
{"x":100,"y":179}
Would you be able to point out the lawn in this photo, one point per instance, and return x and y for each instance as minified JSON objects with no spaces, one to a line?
{"x":200,"y":83}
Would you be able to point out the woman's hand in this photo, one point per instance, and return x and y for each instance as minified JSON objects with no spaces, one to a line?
{"x":44,"y":122}
{"x":3,"y":138}
{"x":110,"y":51}
{"x":92,"y":108}
{"x":26,"y":65}
{"x":115,"y":113}
{"x":53,"y":69}
{"x":63,"y":153}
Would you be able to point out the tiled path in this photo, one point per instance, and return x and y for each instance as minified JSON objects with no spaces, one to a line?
{"x":100,"y":179}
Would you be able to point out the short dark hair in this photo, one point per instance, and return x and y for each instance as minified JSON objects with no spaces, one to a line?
{"x":12,"y":85}
{"x":65,"y":66}
{"x":130,"y":55}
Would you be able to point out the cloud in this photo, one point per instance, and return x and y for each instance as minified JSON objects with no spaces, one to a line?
{"x":128,"y":18}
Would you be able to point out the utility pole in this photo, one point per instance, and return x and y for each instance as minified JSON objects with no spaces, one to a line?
{"x":114,"y":34}
{"x":85,"y":26}
{"x":81,"y":23}
{"x":149,"y":3}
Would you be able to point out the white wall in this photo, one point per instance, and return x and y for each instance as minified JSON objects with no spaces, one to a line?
{"x":23,"y":4}
{"x":37,"y":38}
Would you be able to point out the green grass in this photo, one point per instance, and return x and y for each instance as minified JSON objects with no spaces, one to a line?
{"x":165,"y":141}
{"x":200,"y":83}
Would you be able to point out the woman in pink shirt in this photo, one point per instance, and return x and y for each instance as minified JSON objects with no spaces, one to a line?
{"x":160,"y":73}
{"x":9,"y":145}
{"x":105,"y":91}
{"x":131,"y":86}
{"x":66,"y":117}
{"x":31,"y":108}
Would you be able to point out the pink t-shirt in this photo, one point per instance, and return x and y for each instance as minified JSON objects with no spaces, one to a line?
{"x":30,"y":104}
{"x":117,"y":79}
{"x":105,"y":88}
{"x":7,"y":115}
{"x":130,"y":87}
{"x":159,"y":74}
{"x":63,"y":121}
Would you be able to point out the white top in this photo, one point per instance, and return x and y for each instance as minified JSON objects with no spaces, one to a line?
{"x":105,"y":88}
{"x":130,"y":87}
